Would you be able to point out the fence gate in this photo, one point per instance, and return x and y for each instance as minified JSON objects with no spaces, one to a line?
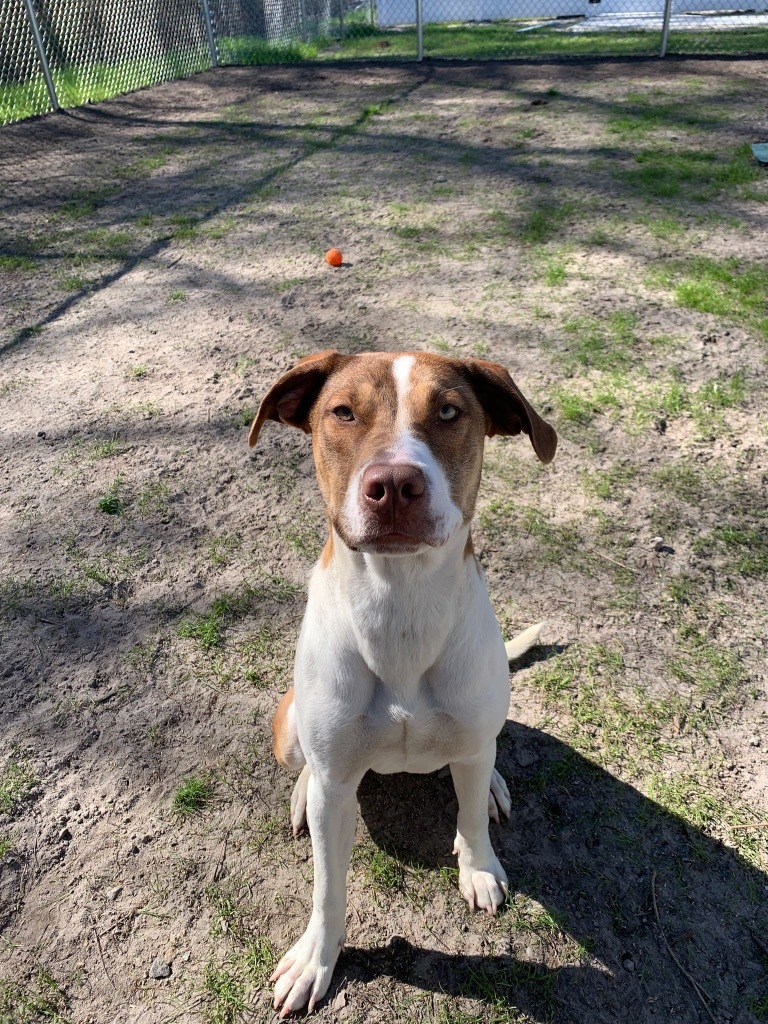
{"x":67,"y":52}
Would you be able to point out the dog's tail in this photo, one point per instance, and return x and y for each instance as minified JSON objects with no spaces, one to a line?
{"x":523,"y":642}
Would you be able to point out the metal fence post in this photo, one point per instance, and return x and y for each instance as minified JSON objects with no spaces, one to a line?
{"x":341,"y":19}
{"x":420,"y":30}
{"x":41,"y":53}
{"x":665,"y":28}
{"x":209,"y":33}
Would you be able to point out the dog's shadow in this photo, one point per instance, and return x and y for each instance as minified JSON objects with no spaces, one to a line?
{"x":619,"y":902}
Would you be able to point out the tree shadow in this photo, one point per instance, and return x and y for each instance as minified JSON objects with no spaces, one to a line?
{"x":602,"y":878}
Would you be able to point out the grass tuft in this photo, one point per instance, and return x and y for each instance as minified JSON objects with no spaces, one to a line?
{"x":192,"y":796}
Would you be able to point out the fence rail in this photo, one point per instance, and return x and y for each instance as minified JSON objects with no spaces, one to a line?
{"x":67,"y":52}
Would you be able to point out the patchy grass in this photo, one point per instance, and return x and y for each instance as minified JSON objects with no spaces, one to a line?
{"x":35,"y":1002}
{"x":247,"y":600}
{"x":192,"y":796}
{"x":112,"y":504}
{"x":17,"y":780}
{"x":731,"y":288}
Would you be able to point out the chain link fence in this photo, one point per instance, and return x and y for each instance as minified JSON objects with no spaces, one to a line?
{"x":68,"y":52}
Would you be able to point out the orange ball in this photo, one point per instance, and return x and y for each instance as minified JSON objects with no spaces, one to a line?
{"x":334,"y":257}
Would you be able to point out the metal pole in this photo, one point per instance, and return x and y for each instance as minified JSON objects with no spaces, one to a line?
{"x":41,"y":53}
{"x":209,"y":33}
{"x":341,"y":19}
{"x":303,"y":20}
{"x":665,"y":28}
{"x":420,"y":29}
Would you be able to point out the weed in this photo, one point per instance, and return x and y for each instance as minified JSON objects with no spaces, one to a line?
{"x":14,"y":261}
{"x":691,"y":174}
{"x":177,"y":296}
{"x":74,"y":283}
{"x":206,"y":629}
{"x":382,"y":871}
{"x":610,"y":483}
{"x":17,"y":779}
{"x":112,"y":504}
{"x":683,"y":480}
{"x":303,"y":537}
{"x":104,"y":449}
{"x":153,"y":500}
{"x":244,"y":365}
{"x":221,"y":549}
{"x":732,"y":288}
{"x":35,"y":1002}
{"x":138,"y":372}
{"x":266,"y":656}
{"x":554,"y":273}
{"x":709,"y":669}
{"x":192,"y":796}
{"x":602,"y":345}
{"x":6,"y":843}
{"x":545,"y":223}
{"x":248,"y":599}
{"x":692,"y":796}
{"x":226,"y":994}
{"x":609,"y":726}
{"x":183,"y":226}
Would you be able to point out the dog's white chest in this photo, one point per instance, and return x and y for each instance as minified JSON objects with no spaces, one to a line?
{"x":413,"y":734}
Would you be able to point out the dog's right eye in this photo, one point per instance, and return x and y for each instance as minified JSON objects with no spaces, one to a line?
{"x":343,"y":412}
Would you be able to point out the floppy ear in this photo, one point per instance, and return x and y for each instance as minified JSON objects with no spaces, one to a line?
{"x":291,"y":399}
{"x":507,"y":408}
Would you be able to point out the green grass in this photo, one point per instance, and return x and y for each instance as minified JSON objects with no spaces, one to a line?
{"x":689,"y":175}
{"x":222,"y":550}
{"x":381,"y":870}
{"x":730,"y":288}
{"x":610,"y":483}
{"x":192,"y":796}
{"x":545,"y":223}
{"x":247,"y":600}
{"x":607,"y":344}
{"x":104,"y":449}
{"x":13,"y":261}
{"x":693,"y":797}
{"x":111,"y":503}
{"x":743,"y":544}
{"x":609,"y":723}
{"x":38,"y":1001}
{"x":17,"y":779}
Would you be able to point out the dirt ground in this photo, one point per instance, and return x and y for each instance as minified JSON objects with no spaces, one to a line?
{"x":601,"y":231}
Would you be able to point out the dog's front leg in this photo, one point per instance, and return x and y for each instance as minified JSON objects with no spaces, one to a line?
{"x":303,"y":975}
{"x":482,"y":880}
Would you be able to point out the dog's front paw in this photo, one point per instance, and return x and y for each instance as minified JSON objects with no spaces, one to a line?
{"x":303,"y":975}
{"x":482,"y":880}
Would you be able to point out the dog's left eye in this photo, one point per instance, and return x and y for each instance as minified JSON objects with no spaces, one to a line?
{"x":448,"y":412}
{"x":343,"y":412}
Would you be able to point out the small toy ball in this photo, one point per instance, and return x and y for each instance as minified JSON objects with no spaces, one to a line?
{"x":334,"y":257}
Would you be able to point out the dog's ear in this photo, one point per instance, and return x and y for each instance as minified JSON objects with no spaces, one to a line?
{"x":290,"y":400}
{"x":506,"y":407}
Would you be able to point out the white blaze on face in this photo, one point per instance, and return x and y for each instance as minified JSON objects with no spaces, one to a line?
{"x":401,"y":371}
{"x":406,"y":447}
{"x":410,"y":449}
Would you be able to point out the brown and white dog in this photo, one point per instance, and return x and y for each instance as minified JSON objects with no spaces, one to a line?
{"x":400,"y":664}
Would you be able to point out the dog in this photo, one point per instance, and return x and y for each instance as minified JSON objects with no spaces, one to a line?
{"x":400,"y":663}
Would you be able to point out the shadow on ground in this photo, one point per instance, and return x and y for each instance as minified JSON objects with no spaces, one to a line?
{"x":593,"y":853}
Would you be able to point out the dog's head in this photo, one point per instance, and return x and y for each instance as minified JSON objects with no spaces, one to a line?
{"x":398,"y":439}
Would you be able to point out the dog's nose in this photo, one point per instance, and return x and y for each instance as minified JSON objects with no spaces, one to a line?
{"x":387,"y":485}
